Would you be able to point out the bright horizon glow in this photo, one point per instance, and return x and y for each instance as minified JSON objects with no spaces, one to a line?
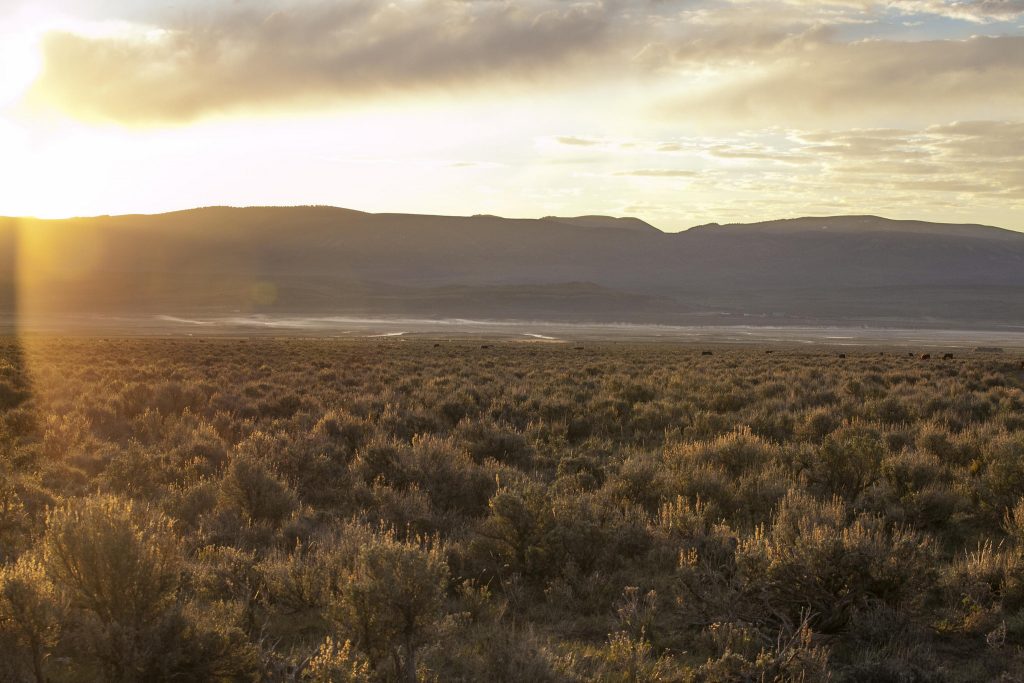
{"x":676,"y":115}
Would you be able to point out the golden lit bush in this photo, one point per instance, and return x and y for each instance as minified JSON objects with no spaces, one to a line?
{"x":30,"y":618}
{"x":848,"y":460}
{"x":117,"y":559}
{"x":335,"y":663}
{"x":118,"y":566}
{"x":251,"y":487}
{"x":391,"y":601}
{"x":820,"y":557}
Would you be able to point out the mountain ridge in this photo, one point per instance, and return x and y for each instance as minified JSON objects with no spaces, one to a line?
{"x":783,"y":225}
{"x":326,"y":259}
{"x":862,"y":223}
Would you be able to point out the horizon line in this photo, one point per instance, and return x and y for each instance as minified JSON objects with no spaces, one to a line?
{"x":498,"y":216}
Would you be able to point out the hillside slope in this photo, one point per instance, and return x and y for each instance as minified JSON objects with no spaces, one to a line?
{"x":321,"y":259}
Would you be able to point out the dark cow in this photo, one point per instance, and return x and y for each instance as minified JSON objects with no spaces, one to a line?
{"x":485,"y":346}
{"x":437,"y":346}
{"x":842,"y":355}
{"x":947,"y":356}
{"x":926,"y":356}
{"x":706,"y":353}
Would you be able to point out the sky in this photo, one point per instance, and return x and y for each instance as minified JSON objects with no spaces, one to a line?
{"x":681,"y":112}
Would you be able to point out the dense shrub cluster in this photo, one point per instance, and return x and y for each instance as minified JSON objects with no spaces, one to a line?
{"x":343,"y":510}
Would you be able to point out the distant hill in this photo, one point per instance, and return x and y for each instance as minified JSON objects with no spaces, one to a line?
{"x":627,"y":223}
{"x":854,"y":225}
{"x":316,"y":260}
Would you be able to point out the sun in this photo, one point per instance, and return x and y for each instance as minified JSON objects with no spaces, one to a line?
{"x":21,"y":62}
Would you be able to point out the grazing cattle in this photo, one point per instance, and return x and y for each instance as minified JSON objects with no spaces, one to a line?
{"x":926,"y":356}
{"x":1022,"y":365}
{"x":769,"y":351}
{"x":705,"y":353}
{"x":842,"y":355}
{"x":436,"y":346}
{"x":947,"y":356}
{"x":485,"y":346}
{"x":910,"y":355}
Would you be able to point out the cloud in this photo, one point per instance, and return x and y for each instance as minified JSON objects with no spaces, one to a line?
{"x":967,"y":170}
{"x":990,"y":140}
{"x":869,"y":80}
{"x":729,"y":60}
{"x":316,"y":51}
{"x":978,"y":11}
{"x":659,"y":173}
{"x":984,"y":159}
{"x":756,"y":153}
{"x":573,"y":141}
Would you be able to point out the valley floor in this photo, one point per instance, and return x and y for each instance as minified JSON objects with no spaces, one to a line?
{"x":712,"y":331}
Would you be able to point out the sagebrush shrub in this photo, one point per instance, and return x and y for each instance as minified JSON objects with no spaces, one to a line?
{"x":345,"y":509}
